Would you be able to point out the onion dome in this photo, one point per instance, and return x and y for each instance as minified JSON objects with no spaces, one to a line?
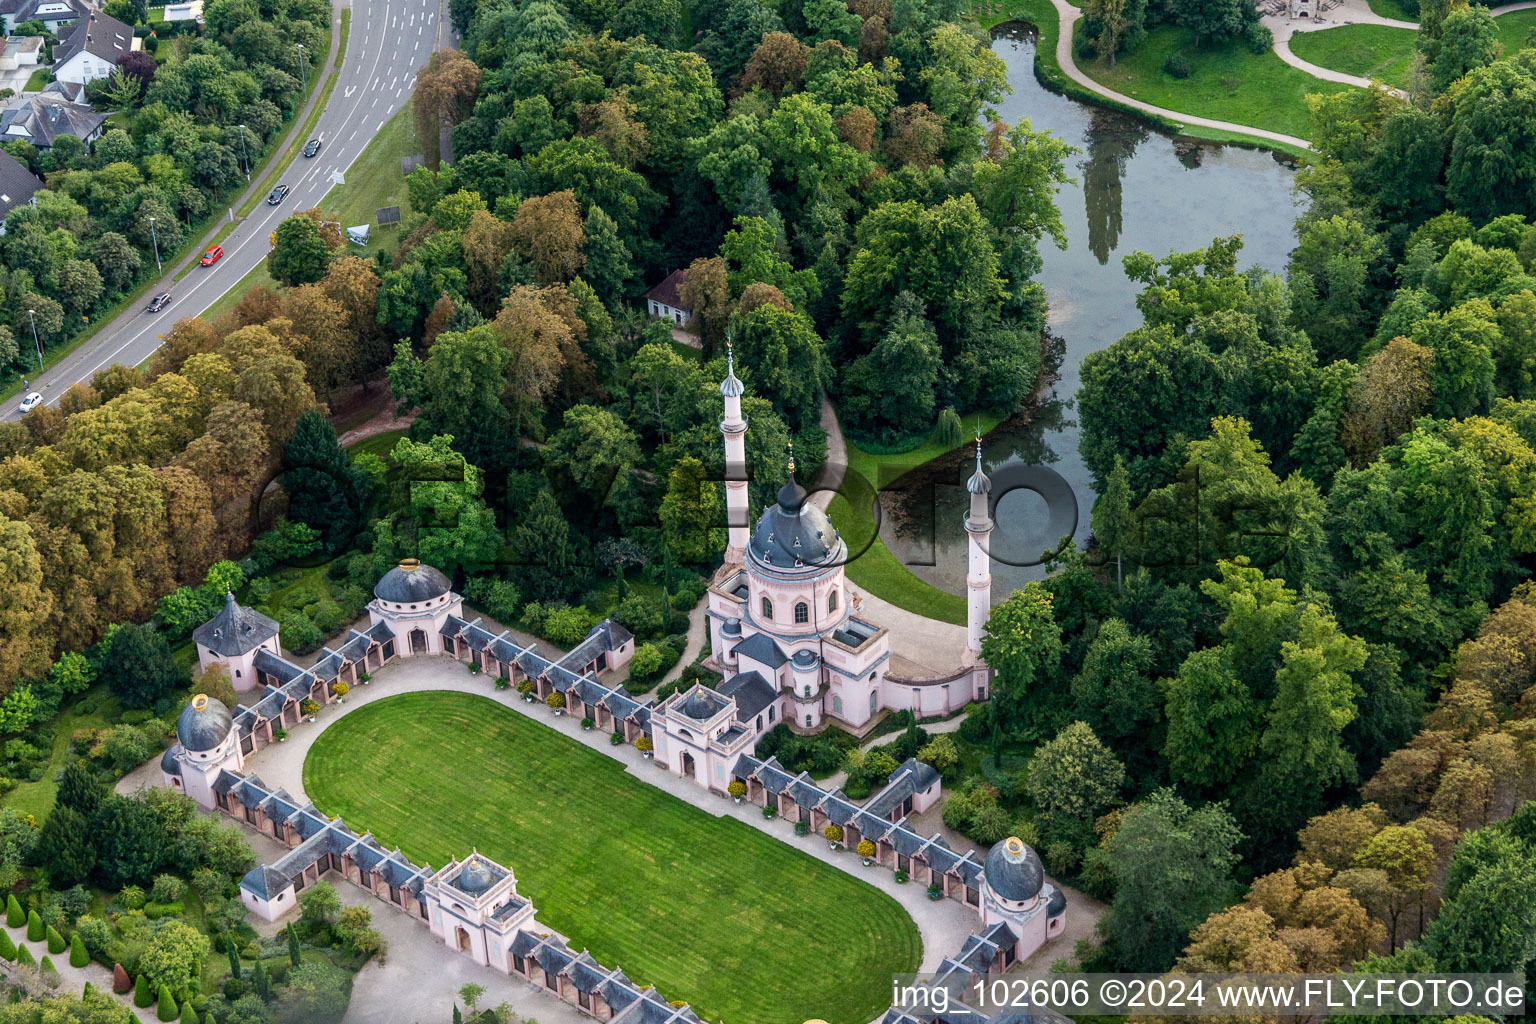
{"x":700,"y":706}
{"x":1013,"y":870}
{"x":794,"y":531}
{"x":203,"y":724}
{"x":411,"y":582}
{"x":978,"y":483}
{"x":1056,"y":905}
{"x":731,"y":387}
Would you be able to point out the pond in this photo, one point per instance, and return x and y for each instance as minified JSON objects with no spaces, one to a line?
{"x":1136,"y":189}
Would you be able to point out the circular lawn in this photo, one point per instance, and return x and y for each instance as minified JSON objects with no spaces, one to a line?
{"x":710,"y":910}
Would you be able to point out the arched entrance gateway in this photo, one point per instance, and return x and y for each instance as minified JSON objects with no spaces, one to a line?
{"x":418,"y":642}
{"x":689,"y":767}
{"x":463,"y":940}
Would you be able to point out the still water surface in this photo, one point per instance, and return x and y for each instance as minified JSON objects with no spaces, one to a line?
{"x":1136,"y":189}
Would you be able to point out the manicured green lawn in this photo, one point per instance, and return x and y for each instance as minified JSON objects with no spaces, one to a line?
{"x":745,"y":928}
{"x":1228,"y":82}
{"x":1392,"y":9}
{"x":1371,"y":51}
{"x":36,"y":798}
{"x":872,"y":565}
{"x":1515,"y":29}
{"x":36,"y":81}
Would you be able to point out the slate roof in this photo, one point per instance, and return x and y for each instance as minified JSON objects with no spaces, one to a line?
{"x":794,"y":530}
{"x":753,"y":693}
{"x":42,"y":117}
{"x":235,"y":630}
{"x":412,"y":581}
{"x":17,"y":184}
{"x":668,"y":291}
{"x":99,"y":34}
{"x":761,"y":648}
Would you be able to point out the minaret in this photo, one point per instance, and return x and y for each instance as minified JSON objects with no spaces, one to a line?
{"x":978,"y":578}
{"x":734,"y":426}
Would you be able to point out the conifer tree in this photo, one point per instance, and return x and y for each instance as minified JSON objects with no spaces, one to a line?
{"x":142,"y":996}
{"x":78,"y":957}
{"x":294,"y":953}
{"x":15,"y":917}
{"x":7,"y":947}
{"x":35,"y":930}
{"x":166,"y":1008}
{"x":56,"y":942}
{"x":234,"y":960}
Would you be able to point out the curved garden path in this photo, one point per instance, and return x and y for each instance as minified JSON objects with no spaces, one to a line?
{"x":1067,"y":16}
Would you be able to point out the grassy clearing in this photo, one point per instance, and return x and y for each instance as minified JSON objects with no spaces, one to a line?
{"x":1392,"y":9}
{"x":36,"y":798}
{"x":374,"y":180}
{"x":379,"y":444}
{"x":1371,"y":51}
{"x":707,"y":909}
{"x":872,"y":564}
{"x":36,"y":81}
{"x":1228,"y":83}
{"x":1515,"y":29}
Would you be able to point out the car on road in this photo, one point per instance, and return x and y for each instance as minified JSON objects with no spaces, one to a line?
{"x":212,"y":256}
{"x":31,"y":402}
{"x":159,"y":302}
{"x":278,"y":195}
{"x":312,"y":147}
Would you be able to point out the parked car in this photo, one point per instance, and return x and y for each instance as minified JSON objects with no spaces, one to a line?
{"x":31,"y":402}
{"x":212,"y":256}
{"x":159,"y":302}
{"x":312,"y":147}
{"x":278,"y":195}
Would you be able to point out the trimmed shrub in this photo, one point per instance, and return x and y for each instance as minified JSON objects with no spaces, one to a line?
{"x":901,"y":877}
{"x":834,"y":833}
{"x":78,"y":957}
{"x":617,"y":739}
{"x":188,"y":1014}
{"x":155,"y":911}
{"x":142,"y":996}
{"x":770,"y":811}
{"x":1177,"y":65}
{"x":802,"y":828}
{"x":525,"y":687}
{"x":166,"y":1008}
{"x":56,"y":943}
{"x":866,"y":848}
{"x":121,"y":983}
{"x":36,"y":932}
{"x":7,"y":947}
{"x":49,"y":972}
{"x":556,"y":699}
{"x":15,"y":917}
{"x":644,"y":744}
{"x":1258,"y":38}
{"x":737,"y":789}
{"x":24,"y":957}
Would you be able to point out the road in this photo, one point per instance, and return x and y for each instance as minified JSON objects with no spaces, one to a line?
{"x":387,"y":42}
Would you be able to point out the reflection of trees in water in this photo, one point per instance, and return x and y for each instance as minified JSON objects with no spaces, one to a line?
{"x":1112,"y":141}
{"x":915,"y":502}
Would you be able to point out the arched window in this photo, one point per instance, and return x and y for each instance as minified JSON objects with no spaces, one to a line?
{"x":807,"y":721}
{"x":832,"y":601}
{"x":759,"y":723}
{"x":770,"y":715}
{"x":837,"y":705}
{"x":871,"y":701}
{"x":802,"y":612}
{"x":767,"y":608}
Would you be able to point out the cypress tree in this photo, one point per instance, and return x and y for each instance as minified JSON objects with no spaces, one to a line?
{"x":261,"y":981}
{"x":78,"y":957}
{"x":294,"y":953}
{"x":166,"y":1008}
{"x":56,"y":942}
{"x":458,"y":1018}
{"x":7,"y":947}
{"x":35,"y":930}
{"x":142,"y":996}
{"x":14,"y":916}
{"x":234,"y":960}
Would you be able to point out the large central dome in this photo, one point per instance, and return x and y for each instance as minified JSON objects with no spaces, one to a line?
{"x":794,"y":532}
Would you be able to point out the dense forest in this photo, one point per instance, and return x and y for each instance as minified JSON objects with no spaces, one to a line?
{"x":1297,"y":661}
{"x":191,"y":115}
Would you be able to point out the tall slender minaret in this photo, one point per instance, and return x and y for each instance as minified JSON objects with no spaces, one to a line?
{"x":734,"y":426}
{"x":978,"y":578}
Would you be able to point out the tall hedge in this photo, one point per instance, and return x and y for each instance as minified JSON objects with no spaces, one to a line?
{"x":15,"y":917}
{"x":166,"y":1009}
{"x":35,"y":930}
{"x":78,"y":957}
{"x":56,"y":943}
